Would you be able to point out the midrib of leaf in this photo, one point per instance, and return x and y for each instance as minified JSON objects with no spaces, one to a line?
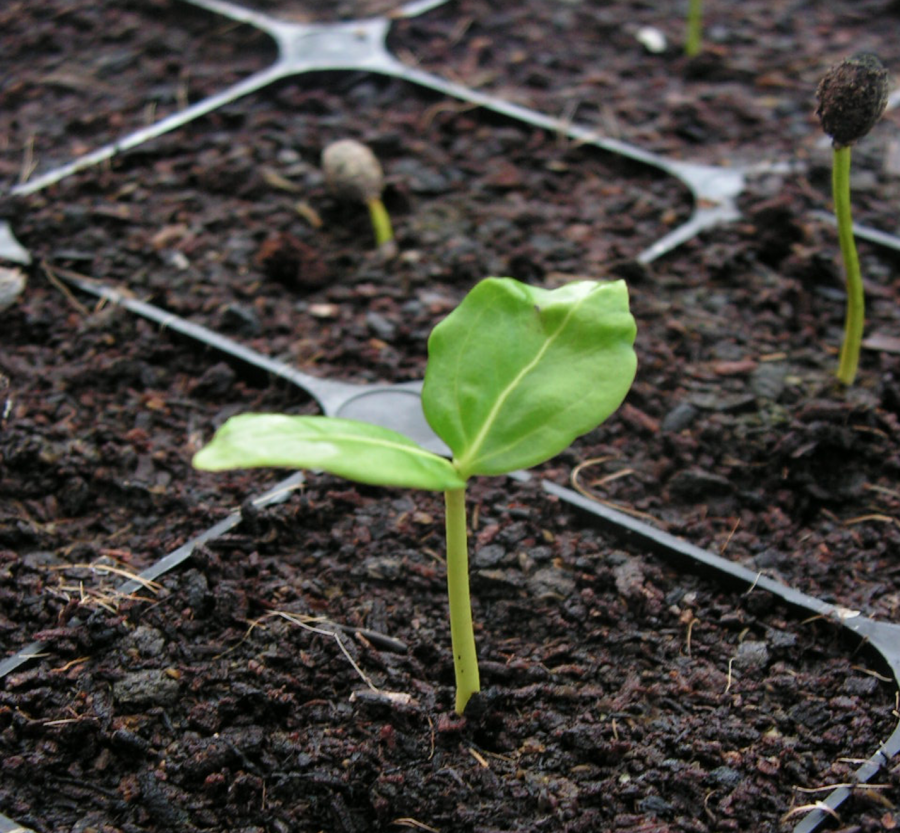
{"x":522,"y":438}
{"x":468,"y":461}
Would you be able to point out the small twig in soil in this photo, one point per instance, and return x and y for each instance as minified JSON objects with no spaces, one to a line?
{"x":882,"y":490}
{"x":87,"y":785}
{"x":566,"y":120}
{"x":28,"y":162}
{"x":585,"y":491}
{"x":459,"y":31}
{"x":304,"y":621}
{"x":737,"y":523}
{"x":870,"y":791}
{"x":6,"y":410}
{"x":71,"y":664}
{"x":308,"y":213}
{"x":847,"y":785}
{"x":859,"y":519}
{"x":107,"y":600}
{"x":443,"y":107}
{"x":479,"y":757}
{"x":298,"y":620}
{"x":418,"y":825}
{"x":871,"y":673}
{"x":690,"y":628}
{"x":432,"y":746}
{"x":182,"y":96}
{"x":64,"y":289}
{"x":752,"y":587}
{"x":806,"y":808}
{"x":152,"y":586}
{"x":275,"y":180}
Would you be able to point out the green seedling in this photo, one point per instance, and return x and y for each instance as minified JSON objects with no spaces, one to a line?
{"x":515,"y":374}
{"x":694,"y":37}
{"x":353,"y":173}
{"x":852,"y":97}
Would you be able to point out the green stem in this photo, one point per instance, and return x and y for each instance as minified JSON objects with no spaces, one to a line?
{"x":694,"y":28}
{"x":462,"y":637}
{"x":381,"y":222}
{"x":856,"y":304}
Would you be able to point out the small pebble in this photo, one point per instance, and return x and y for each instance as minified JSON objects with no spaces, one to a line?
{"x":768,"y":380}
{"x":488,"y":556}
{"x":380,"y":326}
{"x":695,"y":484}
{"x":148,"y":642}
{"x":860,"y":686}
{"x":216,"y":381}
{"x":680,"y":417}
{"x":384,"y":568}
{"x":551,"y":583}
{"x":139,"y":689}
{"x":727,"y":777}
{"x":654,"y":804}
{"x":752,"y":654}
{"x":781,"y":640}
{"x":243,"y":318}
{"x":652,"y":39}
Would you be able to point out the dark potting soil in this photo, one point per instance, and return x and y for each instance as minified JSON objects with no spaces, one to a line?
{"x":619,"y":694}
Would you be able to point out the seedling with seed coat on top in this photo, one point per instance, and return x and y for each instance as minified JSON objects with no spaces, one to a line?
{"x":353,"y":173}
{"x":852,"y":98}
{"x":515,"y":374}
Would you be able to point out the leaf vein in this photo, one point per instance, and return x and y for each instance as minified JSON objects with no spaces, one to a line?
{"x":471,"y":457}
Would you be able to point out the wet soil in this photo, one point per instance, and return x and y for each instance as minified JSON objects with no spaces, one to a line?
{"x":295,"y":674}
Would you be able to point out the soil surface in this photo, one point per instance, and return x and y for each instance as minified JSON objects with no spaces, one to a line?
{"x":295,"y":674}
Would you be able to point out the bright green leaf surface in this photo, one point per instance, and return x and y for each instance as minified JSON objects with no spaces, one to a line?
{"x":354,"y":450}
{"x":515,"y":373}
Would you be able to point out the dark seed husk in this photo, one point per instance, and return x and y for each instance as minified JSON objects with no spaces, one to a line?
{"x":852,"y":97}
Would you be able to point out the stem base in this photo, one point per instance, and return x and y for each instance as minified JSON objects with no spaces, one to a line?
{"x":462,"y":635}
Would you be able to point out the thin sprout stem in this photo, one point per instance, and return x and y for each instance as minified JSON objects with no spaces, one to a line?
{"x":462,"y":636}
{"x":694,"y":28}
{"x":855,"y":314}
{"x":381,"y":222}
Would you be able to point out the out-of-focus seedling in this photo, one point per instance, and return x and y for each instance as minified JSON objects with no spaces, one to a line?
{"x":694,"y":36}
{"x":515,"y":374}
{"x":852,"y":98}
{"x":353,"y":173}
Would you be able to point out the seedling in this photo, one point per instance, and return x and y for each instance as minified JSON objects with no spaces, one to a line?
{"x":515,"y":374}
{"x":354,"y":174}
{"x":694,"y":36}
{"x":852,"y":97}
